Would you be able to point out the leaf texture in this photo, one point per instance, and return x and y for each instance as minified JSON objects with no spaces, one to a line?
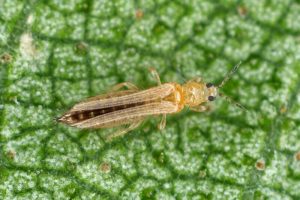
{"x":56,"y":53}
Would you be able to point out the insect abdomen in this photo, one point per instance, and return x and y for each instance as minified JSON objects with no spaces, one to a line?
{"x":79,"y":116}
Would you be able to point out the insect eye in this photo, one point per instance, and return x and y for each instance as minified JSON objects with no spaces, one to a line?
{"x":211,"y":98}
{"x":208,"y":85}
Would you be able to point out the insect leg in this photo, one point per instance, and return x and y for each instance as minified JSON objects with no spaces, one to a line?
{"x":197,"y":79}
{"x":201,"y":108}
{"x":123,"y":131}
{"x":155,"y":74}
{"x":162,"y":123}
{"x":125,"y":84}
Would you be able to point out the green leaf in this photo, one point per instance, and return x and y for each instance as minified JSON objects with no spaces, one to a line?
{"x":56,"y":53}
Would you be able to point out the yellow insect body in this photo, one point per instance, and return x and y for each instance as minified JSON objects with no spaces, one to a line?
{"x":132,"y":106}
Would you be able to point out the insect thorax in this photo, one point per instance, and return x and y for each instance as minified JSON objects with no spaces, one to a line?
{"x":177,"y":96}
{"x":194,"y":93}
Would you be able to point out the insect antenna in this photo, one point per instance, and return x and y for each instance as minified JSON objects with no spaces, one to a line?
{"x":231,"y":101}
{"x":229,"y":74}
{"x":56,"y":119}
{"x":227,"y":77}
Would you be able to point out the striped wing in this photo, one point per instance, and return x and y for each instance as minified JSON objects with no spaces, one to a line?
{"x":120,"y":107}
{"x":108,"y":95}
{"x":129,"y":115}
{"x":104,"y":101}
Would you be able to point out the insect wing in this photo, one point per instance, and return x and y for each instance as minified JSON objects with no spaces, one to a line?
{"x":123,"y":99}
{"x":129,"y":115}
{"x":120,"y":102}
{"x":107,"y":95}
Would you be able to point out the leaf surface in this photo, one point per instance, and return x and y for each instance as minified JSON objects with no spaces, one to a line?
{"x":56,"y":53}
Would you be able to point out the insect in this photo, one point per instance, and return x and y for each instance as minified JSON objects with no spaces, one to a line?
{"x":128,"y":108}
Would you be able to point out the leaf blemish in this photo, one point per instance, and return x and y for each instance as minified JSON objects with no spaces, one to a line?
{"x":283,"y":109}
{"x":202,"y":173}
{"x":242,"y":10}
{"x":260,"y":165}
{"x":6,"y":58}
{"x":27,"y":47}
{"x":11,"y":154}
{"x":30,"y":19}
{"x":81,"y":48}
{"x":139,"y":14}
{"x":105,"y":167}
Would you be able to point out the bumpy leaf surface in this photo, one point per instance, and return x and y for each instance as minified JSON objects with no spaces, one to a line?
{"x":55,"y":53}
